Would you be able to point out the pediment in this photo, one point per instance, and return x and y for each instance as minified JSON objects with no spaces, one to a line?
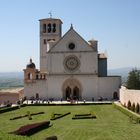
{"x":71,"y":37}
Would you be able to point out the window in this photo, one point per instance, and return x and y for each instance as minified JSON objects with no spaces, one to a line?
{"x":44,"y":28}
{"x":54,"y":27}
{"x":44,"y":41}
{"x":71,"y":46}
{"x":49,"y":28}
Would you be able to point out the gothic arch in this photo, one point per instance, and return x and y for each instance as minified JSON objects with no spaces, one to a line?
{"x":75,"y":88}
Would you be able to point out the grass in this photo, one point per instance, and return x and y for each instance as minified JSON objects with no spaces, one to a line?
{"x":111,"y":124}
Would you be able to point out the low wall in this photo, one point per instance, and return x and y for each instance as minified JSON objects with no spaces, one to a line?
{"x":11,"y":95}
{"x":127,"y":94}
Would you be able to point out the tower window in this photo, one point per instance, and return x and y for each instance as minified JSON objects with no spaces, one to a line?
{"x":54,"y":27}
{"x":49,"y":28}
{"x":44,"y":41}
{"x":44,"y":28}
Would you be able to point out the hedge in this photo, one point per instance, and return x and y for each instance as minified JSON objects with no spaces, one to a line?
{"x":128,"y":113}
{"x":32,"y":114}
{"x":69,"y":104}
{"x":7,"y":109}
{"x":57,"y":116}
{"x":84,"y":116}
{"x":30,"y":129}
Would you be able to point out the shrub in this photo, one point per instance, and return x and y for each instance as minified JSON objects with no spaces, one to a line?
{"x":137,"y":108}
{"x":55,"y":116}
{"x":32,"y":114}
{"x":133,"y":107}
{"x":128,"y":113}
{"x":129,"y":105}
{"x":84,"y":116}
{"x":31,"y":128}
{"x":9,"y":109}
{"x":51,"y":138}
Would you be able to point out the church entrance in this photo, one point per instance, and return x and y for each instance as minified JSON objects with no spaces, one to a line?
{"x":72,"y":94}
{"x":71,"y":90}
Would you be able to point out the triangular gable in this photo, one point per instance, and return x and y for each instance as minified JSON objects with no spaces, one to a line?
{"x":71,"y":37}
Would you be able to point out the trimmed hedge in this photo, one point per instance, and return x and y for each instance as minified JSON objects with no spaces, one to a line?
{"x":9,"y":109}
{"x":128,"y":113}
{"x":51,"y":138}
{"x":32,"y":114}
{"x":30,"y":129}
{"x":57,"y":116}
{"x":69,"y":104}
{"x":84,"y":116}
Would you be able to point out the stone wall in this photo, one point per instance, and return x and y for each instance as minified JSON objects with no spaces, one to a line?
{"x":11,"y":96}
{"x":127,"y":94}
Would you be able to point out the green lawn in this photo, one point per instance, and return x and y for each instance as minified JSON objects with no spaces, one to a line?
{"x":111,"y":124}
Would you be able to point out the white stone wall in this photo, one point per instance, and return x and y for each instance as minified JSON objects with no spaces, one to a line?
{"x":72,"y":36}
{"x":108,"y":85}
{"x":39,"y":86}
{"x":88,"y":63}
{"x":91,"y":87}
{"x":127,"y":94}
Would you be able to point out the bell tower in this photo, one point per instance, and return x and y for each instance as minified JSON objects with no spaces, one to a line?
{"x":50,"y":33}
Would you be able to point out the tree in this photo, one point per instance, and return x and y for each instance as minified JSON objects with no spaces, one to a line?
{"x":129,"y":105}
{"x":133,"y":107}
{"x":137,"y":108}
{"x":133,"y":80}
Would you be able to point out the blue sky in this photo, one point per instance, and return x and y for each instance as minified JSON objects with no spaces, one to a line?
{"x":114,"y":23}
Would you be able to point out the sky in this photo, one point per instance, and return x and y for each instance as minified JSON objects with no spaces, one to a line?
{"x":114,"y":23}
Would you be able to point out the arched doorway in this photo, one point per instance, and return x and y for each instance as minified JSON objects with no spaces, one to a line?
{"x":68,"y":93}
{"x":76,"y":93}
{"x":115,"y":96}
{"x":71,"y":89}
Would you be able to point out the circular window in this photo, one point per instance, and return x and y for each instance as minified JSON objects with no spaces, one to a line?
{"x":71,"y":46}
{"x":71,"y":63}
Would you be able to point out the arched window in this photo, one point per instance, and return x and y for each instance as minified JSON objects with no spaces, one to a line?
{"x":49,"y":28}
{"x":54,"y":27}
{"x":29,"y":76}
{"x":37,"y":76}
{"x":44,"y":28}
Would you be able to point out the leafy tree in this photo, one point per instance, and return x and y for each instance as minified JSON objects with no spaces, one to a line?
{"x":133,"y":107}
{"x":137,"y":108}
{"x":129,"y":105}
{"x":133,"y":80}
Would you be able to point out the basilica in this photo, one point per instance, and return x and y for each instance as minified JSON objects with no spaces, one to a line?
{"x":70,"y":67}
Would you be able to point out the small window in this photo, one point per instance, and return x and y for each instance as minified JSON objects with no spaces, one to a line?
{"x":44,"y":41}
{"x":44,"y":28}
{"x":49,"y":28}
{"x":71,"y":46}
{"x":54,"y":27}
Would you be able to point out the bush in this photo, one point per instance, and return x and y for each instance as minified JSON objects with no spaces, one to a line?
{"x":133,"y":107}
{"x":137,"y":108}
{"x":51,"y":138}
{"x":84,"y":116}
{"x":128,"y":113}
{"x":32,"y":114}
{"x":129,"y":105}
{"x":30,"y":129}
{"x":9,"y":109}
{"x":55,"y":116}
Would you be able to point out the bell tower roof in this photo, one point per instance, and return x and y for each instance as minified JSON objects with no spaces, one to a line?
{"x":51,"y":19}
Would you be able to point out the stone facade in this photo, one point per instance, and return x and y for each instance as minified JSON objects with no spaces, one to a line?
{"x":70,"y":67}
